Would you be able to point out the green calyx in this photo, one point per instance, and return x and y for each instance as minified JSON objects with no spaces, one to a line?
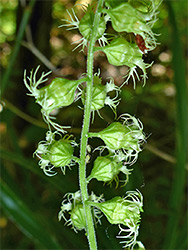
{"x":98,"y":95}
{"x":74,"y":206}
{"x":123,"y":140}
{"x":56,"y":153}
{"x":59,"y":93}
{"x":86,"y":24}
{"x":126,"y":213}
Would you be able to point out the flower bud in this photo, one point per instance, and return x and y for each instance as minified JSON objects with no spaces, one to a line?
{"x":61,"y":92}
{"x":124,"y":212}
{"x":122,"y":136}
{"x":55,"y":154}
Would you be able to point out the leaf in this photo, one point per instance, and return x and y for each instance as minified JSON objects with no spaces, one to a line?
{"x":25,"y":219}
{"x":32,"y":166}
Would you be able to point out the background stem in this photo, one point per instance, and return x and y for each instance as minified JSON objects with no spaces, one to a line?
{"x":24,"y":21}
{"x":84,"y":135}
{"x":179,"y":180}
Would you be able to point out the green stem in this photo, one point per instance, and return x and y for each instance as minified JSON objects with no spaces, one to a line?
{"x":93,"y":134}
{"x":84,"y":136}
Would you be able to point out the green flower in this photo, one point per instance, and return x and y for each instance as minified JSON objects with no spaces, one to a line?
{"x":99,"y":95}
{"x":106,"y":169}
{"x":85,"y":26}
{"x":126,"y":213}
{"x":54,"y":154}
{"x":59,"y":93}
{"x":120,"y":52}
{"x":123,"y":139}
{"x":73,"y":204}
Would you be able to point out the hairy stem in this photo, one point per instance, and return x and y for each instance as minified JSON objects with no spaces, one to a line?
{"x":84,"y":136}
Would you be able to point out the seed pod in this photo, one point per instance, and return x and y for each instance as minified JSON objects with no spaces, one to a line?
{"x":105,"y":169}
{"x":78,"y":217}
{"x":86,"y":24}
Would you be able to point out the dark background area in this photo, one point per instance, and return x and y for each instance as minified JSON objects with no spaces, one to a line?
{"x":30,"y":201}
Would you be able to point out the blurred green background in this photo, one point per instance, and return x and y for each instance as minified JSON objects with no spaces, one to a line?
{"x":30,"y":201}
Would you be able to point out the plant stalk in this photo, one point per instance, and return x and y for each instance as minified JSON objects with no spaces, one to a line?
{"x":90,"y":231}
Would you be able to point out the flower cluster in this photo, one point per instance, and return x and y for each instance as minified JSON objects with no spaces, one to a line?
{"x":134,"y":17}
{"x":122,"y":139}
